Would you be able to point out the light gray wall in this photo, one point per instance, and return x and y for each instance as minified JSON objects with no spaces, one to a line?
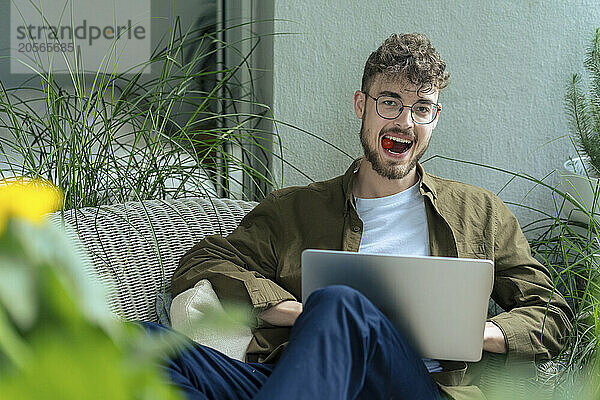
{"x":509,"y":63}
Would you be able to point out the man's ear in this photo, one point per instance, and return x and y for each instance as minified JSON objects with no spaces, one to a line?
{"x":435,"y":121}
{"x":359,"y":103}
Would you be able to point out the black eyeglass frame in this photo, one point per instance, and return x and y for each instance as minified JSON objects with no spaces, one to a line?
{"x":412,"y":116}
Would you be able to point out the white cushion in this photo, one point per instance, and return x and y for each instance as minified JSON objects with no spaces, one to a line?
{"x":190,"y":307}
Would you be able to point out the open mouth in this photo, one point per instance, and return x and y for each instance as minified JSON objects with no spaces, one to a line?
{"x":395,"y":145}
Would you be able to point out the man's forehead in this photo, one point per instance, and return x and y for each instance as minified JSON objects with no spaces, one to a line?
{"x":402,"y":86}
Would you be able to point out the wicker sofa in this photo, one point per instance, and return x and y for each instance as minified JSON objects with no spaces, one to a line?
{"x":134,"y":248}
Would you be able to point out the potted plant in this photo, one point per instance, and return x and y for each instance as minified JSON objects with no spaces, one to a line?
{"x":567,"y":241}
{"x":581,"y":173}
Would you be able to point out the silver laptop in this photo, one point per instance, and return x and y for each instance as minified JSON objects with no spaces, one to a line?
{"x":439,"y":303}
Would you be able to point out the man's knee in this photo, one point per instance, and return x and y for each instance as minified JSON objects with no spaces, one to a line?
{"x":338,"y":296}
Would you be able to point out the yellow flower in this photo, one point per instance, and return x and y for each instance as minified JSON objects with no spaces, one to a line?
{"x":27,"y":199}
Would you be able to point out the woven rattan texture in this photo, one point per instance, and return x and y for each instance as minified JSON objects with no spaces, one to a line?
{"x":134,"y":248}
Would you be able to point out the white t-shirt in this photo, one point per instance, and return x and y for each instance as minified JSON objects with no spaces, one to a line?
{"x":396,"y":225}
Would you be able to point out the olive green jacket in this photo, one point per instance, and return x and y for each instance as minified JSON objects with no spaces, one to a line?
{"x":259,"y":263}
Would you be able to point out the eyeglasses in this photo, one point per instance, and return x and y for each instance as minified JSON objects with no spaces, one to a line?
{"x":423,"y":112}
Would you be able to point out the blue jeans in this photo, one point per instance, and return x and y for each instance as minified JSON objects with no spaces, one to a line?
{"x":341,"y":347}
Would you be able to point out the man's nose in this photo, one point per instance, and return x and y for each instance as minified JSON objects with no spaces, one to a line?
{"x":404,"y":120}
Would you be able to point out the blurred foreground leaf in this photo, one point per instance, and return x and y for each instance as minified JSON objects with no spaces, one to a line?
{"x":57,"y":337}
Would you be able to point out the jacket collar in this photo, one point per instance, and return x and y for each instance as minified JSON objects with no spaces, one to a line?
{"x":427,"y":184}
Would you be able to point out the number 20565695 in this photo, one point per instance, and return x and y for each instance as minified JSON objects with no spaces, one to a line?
{"x":45,"y":47}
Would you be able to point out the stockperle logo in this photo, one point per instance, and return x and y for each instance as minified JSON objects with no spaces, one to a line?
{"x":113,"y":37}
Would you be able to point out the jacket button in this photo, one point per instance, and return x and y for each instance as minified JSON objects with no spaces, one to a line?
{"x":355,"y":228}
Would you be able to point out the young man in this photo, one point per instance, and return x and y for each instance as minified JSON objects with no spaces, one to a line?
{"x":336,"y":344}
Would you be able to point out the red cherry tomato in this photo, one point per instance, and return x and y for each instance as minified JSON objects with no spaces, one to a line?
{"x":387,"y":143}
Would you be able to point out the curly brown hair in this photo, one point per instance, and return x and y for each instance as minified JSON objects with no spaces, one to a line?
{"x":409,"y":56}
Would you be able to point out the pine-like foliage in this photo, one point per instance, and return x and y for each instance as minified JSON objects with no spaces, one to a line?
{"x":584,"y":109}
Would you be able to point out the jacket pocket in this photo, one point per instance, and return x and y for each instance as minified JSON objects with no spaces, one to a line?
{"x":452,"y":374}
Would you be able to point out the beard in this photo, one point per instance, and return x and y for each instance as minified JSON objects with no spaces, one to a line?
{"x":390,"y":169}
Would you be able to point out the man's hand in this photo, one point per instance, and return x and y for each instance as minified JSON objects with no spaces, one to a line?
{"x":282,"y":314}
{"x":493,"y":339}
